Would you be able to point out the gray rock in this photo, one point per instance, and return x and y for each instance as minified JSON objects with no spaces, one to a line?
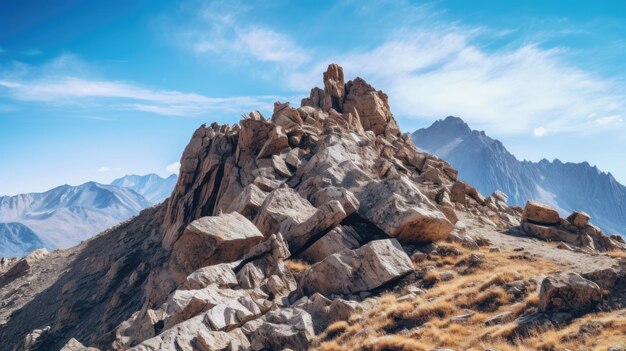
{"x":353,"y":271}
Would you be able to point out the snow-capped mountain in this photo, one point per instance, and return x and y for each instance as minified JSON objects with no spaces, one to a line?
{"x":488,"y":165}
{"x":151,"y":186}
{"x":17,"y":240}
{"x":65,"y":215}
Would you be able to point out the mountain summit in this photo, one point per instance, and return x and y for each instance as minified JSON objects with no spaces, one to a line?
{"x":487,"y":164}
{"x":151,"y":186}
{"x":321,"y":227}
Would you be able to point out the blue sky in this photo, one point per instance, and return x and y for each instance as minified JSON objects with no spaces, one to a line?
{"x":92,"y":90}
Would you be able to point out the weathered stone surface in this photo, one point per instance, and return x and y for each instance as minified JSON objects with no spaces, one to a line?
{"x":276,"y":142}
{"x":371,"y":106}
{"x":345,"y":197}
{"x":234,"y":340}
{"x":353,"y":271}
{"x":75,"y":345}
{"x":457,"y":192}
{"x":550,"y":233}
{"x":286,"y":328}
{"x":326,"y":217}
{"x":398,"y":208}
{"x":474,"y":194}
{"x":334,"y":88}
{"x":324,"y":311}
{"x":568,"y":292}
{"x":179,"y":337}
{"x":605,"y":278}
{"x":212,"y":240}
{"x":280,"y":166}
{"x":579,"y":219}
{"x":280,"y":205}
{"x":338,"y":239}
{"x":539,"y":213}
{"x":220,"y":274}
{"x":248,"y":202}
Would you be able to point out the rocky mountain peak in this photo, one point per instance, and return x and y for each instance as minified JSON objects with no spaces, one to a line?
{"x":278,"y":227}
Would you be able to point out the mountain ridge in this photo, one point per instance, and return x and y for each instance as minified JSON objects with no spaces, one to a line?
{"x":151,"y":186}
{"x":487,"y":163}
{"x":78,"y":212}
{"x":322,"y":227}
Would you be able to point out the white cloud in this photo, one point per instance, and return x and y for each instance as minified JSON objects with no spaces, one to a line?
{"x":51,"y":87}
{"x":606,"y":120}
{"x":540,"y":131}
{"x":220,"y":28}
{"x":103,"y":169}
{"x":429,"y":74}
{"x":173,"y":168}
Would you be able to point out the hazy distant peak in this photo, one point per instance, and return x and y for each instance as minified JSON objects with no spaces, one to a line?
{"x":151,"y":186}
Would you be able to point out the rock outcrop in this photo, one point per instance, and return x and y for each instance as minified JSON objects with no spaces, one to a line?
{"x":543,"y":221}
{"x":569,"y":292}
{"x":353,"y":271}
{"x":278,"y":227}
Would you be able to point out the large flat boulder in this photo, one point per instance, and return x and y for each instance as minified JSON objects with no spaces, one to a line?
{"x":539,"y":213}
{"x":353,"y":271}
{"x":213,"y":240}
{"x":399,"y":208}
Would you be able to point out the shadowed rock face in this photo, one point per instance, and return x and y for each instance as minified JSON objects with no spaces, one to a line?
{"x":333,"y":182}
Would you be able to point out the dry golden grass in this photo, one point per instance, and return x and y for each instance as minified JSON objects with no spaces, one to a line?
{"x":617,"y":254}
{"x":423,"y":322}
{"x":296,"y":265}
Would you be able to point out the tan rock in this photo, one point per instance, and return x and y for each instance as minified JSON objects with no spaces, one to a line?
{"x":347,"y":199}
{"x":474,"y":194}
{"x":220,"y":274}
{"x":75,"y":345}
{"x":539,"y":213}
{"x":212,"y":240}
{"x":457,"y":192}
{"x":579,"y":219}
{"x":398,"y":208}
{"x":249,"y":201}
{"x":326,"y":217}
{"x":276,"y":142}
{"x":334,"y":88}
{"x":280,"y":166}
{"x":280,"y":205}
{"x":568,"y":292}
{"x":234,"y":340}
{"x":353,"y":271}
{"x":287,"y":328}
{"x":338,"y":239}
{"x":371,"y":106}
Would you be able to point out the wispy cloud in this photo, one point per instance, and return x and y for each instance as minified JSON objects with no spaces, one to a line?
{"x":218,"y":28}
{"x":434,"y":73}
{"x":103,"y":169}
{"x":173,"y":168}
{"x":56,"y":87}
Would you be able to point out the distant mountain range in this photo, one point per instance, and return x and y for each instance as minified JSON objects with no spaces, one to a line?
{"x":64,"y":216}
{"x":17,"y":239}
{"x":151,"y":186}
{"x":488,"y":165}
